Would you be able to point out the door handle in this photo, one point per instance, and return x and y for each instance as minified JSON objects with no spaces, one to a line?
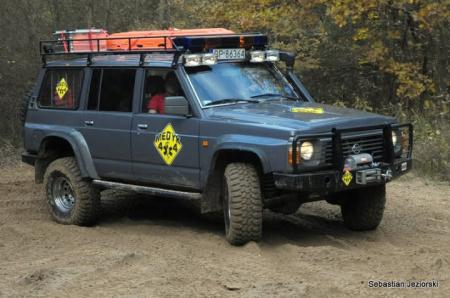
{"x":142,"y":126}
{"x":89,"y":122}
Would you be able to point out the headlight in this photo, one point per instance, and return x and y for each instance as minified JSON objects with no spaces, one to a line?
{"x":306,"y":150}
{"x":394,"y":138}
{"x":397,"y":141}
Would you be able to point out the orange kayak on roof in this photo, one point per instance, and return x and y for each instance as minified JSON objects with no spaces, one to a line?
{"x":115,"y":43}
{"x":83,"y":40}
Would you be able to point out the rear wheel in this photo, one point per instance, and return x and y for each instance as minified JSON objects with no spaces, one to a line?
{"x":364,"y":208}
{"x":242,"y":203}
{"x":70,"y":198}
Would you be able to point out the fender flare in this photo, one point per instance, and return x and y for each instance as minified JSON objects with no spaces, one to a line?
{"x":251,"y":144}
{"x":80,"y":149}
{"x":265,"y":164}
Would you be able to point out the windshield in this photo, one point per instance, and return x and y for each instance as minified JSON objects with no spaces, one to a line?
{"x":238,"y":82}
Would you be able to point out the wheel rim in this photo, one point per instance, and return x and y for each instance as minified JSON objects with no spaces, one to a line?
{"x":226,"y":206}
{"x":63,"y":194}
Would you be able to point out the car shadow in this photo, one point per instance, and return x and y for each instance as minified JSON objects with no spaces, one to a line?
{"x":118,"y":205}
{"x":308,"y":227}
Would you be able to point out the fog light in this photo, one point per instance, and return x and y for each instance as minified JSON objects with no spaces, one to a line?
{"x":272,"y":55}
{"x":257,"y":56}
{"x":192,"y":60}
{"x":209,"y":59}
{"x":306,"y":150}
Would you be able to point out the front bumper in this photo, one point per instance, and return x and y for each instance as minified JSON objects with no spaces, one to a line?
{"x":333,"y":180}
{"x":337,"y":178}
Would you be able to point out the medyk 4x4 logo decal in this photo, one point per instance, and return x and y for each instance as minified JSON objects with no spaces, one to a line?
{"x":61,"y":88}
{"x":168,"y":144}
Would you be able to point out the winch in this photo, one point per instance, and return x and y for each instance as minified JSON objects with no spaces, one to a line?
{"x":368,"y":172}
{"x":354,"y":161}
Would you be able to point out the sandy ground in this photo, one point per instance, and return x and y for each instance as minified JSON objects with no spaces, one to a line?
{"x":161,"y":248}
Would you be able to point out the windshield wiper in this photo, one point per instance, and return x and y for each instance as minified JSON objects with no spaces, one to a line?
{"x":231,"y":100}
{"x":276,"y":95}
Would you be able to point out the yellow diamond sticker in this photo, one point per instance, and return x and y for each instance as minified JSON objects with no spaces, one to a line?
{"x":61,"y":88}
{"x":307,"y":110}
{"x":168,"y":144}
{"x":347,"y":178}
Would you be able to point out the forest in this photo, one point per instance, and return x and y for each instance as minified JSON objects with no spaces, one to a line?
{"x":384,"y":56}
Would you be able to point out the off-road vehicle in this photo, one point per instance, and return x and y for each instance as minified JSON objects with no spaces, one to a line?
{"x":206,"y":115}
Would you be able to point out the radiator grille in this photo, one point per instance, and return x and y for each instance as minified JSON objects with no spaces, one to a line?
{"x":372,"y":144}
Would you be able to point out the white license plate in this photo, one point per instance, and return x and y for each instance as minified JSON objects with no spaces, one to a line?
{"x":229,"y":54}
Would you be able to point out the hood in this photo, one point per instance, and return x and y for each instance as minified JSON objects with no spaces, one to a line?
{"x":297,"y":115}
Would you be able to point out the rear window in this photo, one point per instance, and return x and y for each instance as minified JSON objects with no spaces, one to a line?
{"x":61,"y":89}
{"x":111,"y":90}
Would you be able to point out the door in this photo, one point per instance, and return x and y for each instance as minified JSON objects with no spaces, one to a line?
{"x":165,"y":148}
{"x":107,"y":122}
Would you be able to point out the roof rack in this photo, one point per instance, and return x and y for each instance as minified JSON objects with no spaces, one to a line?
{"x":143,"y":45}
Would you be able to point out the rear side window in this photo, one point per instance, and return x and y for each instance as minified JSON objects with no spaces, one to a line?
{"x":61,"y":89}
{"x":111,"y":90}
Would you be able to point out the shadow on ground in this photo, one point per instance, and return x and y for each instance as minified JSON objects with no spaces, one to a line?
{"x":307,"y":227}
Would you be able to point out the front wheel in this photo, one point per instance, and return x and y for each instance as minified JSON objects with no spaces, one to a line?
{"x":242,"y":203}
{"x":364,"y":208}
{"x":70,"y":198}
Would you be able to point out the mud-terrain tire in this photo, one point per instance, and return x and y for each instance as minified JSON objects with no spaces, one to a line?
{"x":242,"y":203}
{"x":364,"y":208}
{"x":71,"y":199}
{"x":24,"y":107}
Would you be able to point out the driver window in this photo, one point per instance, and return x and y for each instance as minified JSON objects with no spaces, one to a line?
{"x":158,"y":85}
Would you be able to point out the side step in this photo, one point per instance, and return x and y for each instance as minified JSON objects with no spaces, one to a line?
{"x":153,"y":191}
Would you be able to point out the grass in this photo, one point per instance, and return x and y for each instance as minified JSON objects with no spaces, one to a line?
{"x":431,"y":147}
{"x":9,"y":153}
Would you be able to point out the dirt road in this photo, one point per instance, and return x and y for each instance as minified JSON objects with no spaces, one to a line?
{"x":158,"y":248}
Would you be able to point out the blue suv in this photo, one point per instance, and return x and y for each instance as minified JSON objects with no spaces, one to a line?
{"x":220,"y":119}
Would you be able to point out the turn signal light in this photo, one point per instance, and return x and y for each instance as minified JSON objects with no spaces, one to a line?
{"x":290,"y":154}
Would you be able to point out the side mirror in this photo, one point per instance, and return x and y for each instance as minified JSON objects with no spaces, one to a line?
{"x":176,"y":105}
